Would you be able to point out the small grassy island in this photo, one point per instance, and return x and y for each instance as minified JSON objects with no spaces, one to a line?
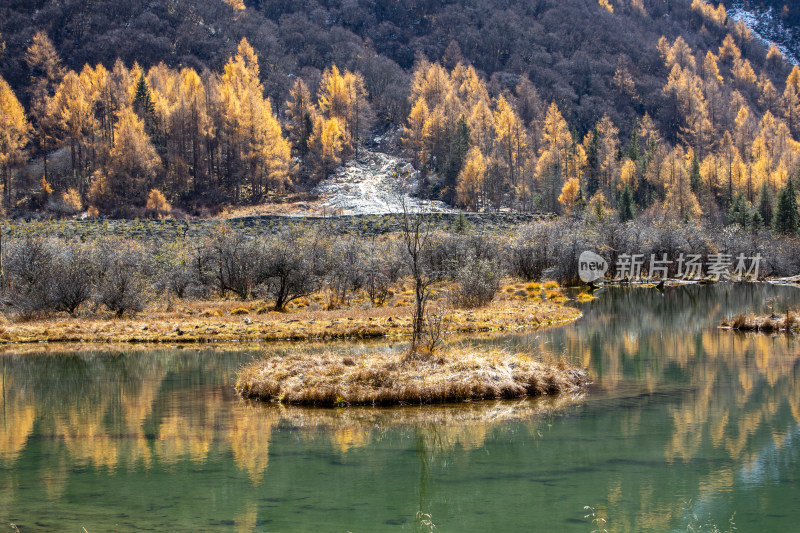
{"x":393,"y":378}
{"x":771,"y":323}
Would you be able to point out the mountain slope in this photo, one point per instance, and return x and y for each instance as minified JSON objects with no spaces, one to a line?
{"x":570,"y":49}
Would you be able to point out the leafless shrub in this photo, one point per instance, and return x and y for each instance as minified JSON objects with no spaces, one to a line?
{"x":122,"y":281}
{"x":437,"y":324}
{"x":232,"y":261}
{"x":767,"y":326}
{"x":383,"y":268}
{"x":345,"y":271}
{"x":72,"y":278}
{"x":528,"y":252}
{"x":28,"y":266}
{"x":477,"y":283}
{"x":293,"y":264}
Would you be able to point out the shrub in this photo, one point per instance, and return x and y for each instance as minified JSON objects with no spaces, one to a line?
{"x":383,"y":268}
{"x":175,"y":270}
{"x":527,"y":254}
{"x":72,"y":278}
{"x":345,"y":271}
{"x":28,"y":267}
{"x":122,"y":283}
{"x":478,"y":282}
{"x":233,"y":263}
{"x":294,"y":262}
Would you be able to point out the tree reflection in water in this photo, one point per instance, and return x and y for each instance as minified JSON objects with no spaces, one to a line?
{"x":713,"y":413}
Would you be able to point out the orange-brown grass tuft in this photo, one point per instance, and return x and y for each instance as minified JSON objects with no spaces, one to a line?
{"x":381,"y":378}
{"x":741,"y":323}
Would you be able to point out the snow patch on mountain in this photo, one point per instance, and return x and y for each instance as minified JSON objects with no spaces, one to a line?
{"x":374,"y":183}
{"x":768,"y":29}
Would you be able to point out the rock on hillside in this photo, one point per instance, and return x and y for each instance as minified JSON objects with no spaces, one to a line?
{"x":374,"y":183}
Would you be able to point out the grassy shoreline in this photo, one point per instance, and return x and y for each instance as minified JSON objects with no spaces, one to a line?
{"x":233,"y":321}
{"x":398,"y":378}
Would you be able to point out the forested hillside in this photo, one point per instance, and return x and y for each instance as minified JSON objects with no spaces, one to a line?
{"x":541,"y":105}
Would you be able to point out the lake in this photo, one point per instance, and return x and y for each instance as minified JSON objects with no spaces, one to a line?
{"x":684,"y":426}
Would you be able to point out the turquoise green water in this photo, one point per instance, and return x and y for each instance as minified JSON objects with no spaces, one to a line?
{"x":684,"y":426}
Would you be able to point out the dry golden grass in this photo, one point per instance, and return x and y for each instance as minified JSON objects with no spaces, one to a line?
{"x":585,"y":297}
{"x":387,"y":378}
{"x":180,"y":321}
{"x":764,"y":324}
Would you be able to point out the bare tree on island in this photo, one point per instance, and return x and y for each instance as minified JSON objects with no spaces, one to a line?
{"x":416,"y":227}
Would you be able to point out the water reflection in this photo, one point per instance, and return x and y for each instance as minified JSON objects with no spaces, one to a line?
{"x":683,"y":420}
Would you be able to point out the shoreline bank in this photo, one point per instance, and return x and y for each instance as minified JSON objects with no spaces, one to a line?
{"x":233,"y":322}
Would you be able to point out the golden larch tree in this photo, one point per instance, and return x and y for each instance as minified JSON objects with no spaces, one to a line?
{"x":132,"y":167}
{"x":14,"y":135}
{"x":511,"y":142}
{"x":72,"y":108}
{"x":569,"y":194}
{"x":343,"y":96}
{"x":431,"y":82}
{"x":711,"y":69}
{"x":417,"y":132}
{"x":791,"y":100}
{"x":550,"y":166}
{"x":326,"y":145}
{"x":257,"y":154}
{"x":470,"y":183}
{"x":728,"y":51}
{"x":195,"y":129}
{"x":679,"y":200}
{"x":774,"y":55}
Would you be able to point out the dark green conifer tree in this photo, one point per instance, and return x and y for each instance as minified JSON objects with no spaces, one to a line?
{"x":739,"y":212}
{"x":785,"y":219}
{"x":144,"y":107}
{"x":459,"y":146}
{"x":625,"y":205}
{"x":694,"y":175}
{"x":764,"y":204}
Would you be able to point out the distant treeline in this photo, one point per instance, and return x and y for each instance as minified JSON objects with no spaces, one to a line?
{"x":43,"y":275}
